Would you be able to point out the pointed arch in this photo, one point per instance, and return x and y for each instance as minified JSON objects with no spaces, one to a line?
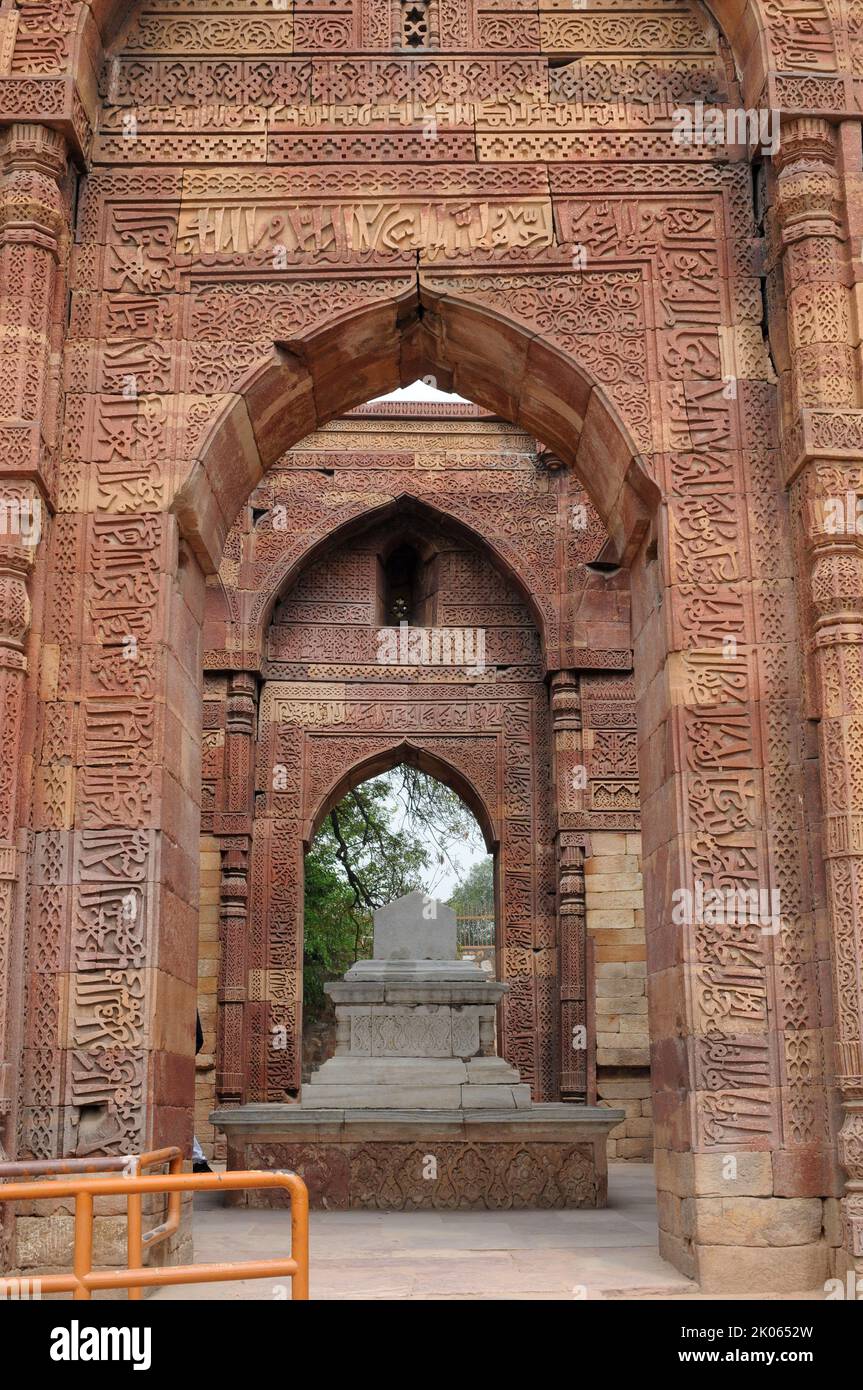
{"x":406,"y":752}
{"x":287,"y":569}
{"x":483,"y":353}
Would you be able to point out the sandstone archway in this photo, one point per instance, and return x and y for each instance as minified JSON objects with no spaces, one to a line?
{"x":409,"y":754}
{"x":742,"y":1039}
{"x":484,"y":354}
{"x":443,"y":770}
{"x":244,"y":635}
{"x":689,"y":756}
{"x":480,"y":350}
{"x":488,"y":743}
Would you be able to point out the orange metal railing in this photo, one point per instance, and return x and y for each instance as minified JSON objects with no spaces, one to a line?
{"x":131,"y":1166}
{"x":84,"y":1279}
{"x":135,"y":1237}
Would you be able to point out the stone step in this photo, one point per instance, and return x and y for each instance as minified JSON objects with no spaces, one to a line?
{"x":390,"y":1096}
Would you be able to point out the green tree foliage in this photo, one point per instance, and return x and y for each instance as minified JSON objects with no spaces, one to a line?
{"x":473,"y":895}
{"x":389,"y":836}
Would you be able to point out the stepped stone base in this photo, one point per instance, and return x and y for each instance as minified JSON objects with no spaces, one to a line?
{"x":416,"y":1083}
{"x":548,"y":1156}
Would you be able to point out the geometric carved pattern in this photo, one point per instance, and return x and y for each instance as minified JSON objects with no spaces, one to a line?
{"x":344,"y":715}
{"x":280,"y":186}
{"x":386,"y":1176}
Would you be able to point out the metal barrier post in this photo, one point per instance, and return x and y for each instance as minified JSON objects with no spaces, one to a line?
{"x":83,"y":1279}
{"x":83,"y":1252}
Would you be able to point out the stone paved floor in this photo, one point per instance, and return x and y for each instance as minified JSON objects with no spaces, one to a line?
{"x":455,"y":1255}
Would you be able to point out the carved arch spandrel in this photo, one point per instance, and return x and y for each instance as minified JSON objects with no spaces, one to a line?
{"x":418,"y":753}
{"x":332,"y":368}
{"x":526,"y":1016}
{"x":246,"y":629}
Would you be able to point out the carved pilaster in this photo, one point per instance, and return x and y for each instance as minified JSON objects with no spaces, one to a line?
{"x":570,"y":781}
{"x":34,"y":240}
{"x":34,"y":236}
{"x":810,"y":311}
{"x":15,"y":564}
{"x":234,"y":814}
{"x":836,"y":580}
{"x":574,"y":1004}
{"x":236,"y":792}
{"x":233,"y":970}
{"x":242,"y":703}
{"x":809,"y":225}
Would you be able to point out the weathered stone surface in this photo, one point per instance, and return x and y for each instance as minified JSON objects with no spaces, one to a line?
{"x":415,"y":927}
{"x":393,"y":1071}
{"x":284,"y":213}
{"x":43,"y":1241}
{"x":377,"y":1095}
{"x":758,"y":1221}
{"x":735,"y":1270}
{"x":546,"y":1156}
{"x":749,"y":1175}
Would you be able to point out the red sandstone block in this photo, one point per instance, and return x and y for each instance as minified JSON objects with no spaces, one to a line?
{"x":280,"y":403}
{"x":176,"y":935}
{"x":673,"y":1120}
{"x":179,"y":814}
{"x":807,"y":1172}
{"x":172,"y":1079}
{"x":203,"y":522}
{"x":172,"y":1125}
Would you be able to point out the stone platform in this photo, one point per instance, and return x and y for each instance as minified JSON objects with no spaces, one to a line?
{"x":416,"y":1110}
{"x":545,"y":1156}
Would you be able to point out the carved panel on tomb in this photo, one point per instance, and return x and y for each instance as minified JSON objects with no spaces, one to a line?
{"x":382,"y":1176}
{"x":219,"y":233}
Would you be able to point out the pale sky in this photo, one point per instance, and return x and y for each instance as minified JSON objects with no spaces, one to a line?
{"x":421,"y":391}
{"x":441,"y":879}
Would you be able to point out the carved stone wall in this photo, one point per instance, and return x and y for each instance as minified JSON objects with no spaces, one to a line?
{"x":504,"y":537}
{"x":281,"y":214}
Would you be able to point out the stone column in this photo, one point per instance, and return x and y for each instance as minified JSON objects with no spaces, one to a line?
{"x":823,"y":443}
{"x":811,"y":339}
{"x":576,"y":1034}
{"x":836,"y":578}
{"x":15,"y":565}
{"x":241,"y":717}
{"x":235,"y":815}
{"x":233,"y":970}
{"x":34,"y":240}
{"x":576,"y":1010}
